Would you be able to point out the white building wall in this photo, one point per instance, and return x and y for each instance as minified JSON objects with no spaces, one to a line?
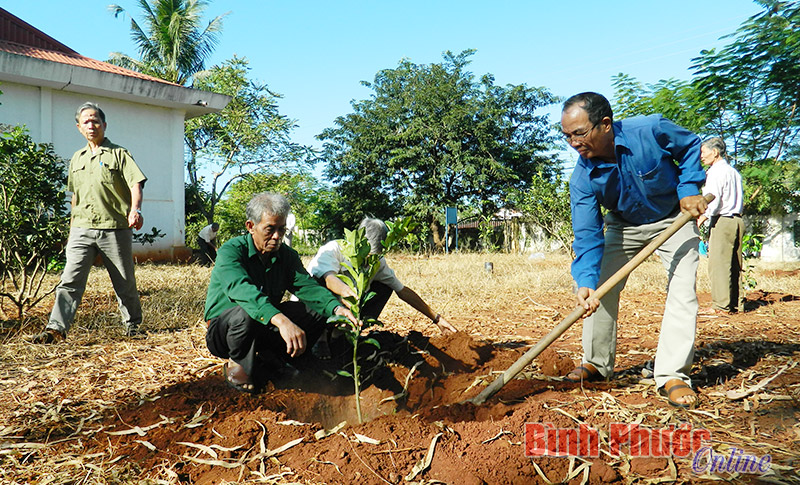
{"x":153,"y":135}
{"x":20,"y":105}
{"x":779,"y":243}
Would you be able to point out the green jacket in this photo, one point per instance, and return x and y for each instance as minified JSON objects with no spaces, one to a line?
{"x":241,"y":278}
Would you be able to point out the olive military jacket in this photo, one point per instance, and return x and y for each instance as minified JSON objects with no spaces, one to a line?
{"x":101,"y":186}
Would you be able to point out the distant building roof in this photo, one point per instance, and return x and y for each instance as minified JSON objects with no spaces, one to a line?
{"x":19,"y":37}
{"x":16,"y":30}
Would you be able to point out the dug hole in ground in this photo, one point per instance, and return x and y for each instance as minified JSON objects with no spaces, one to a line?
{"x":112,"y":410}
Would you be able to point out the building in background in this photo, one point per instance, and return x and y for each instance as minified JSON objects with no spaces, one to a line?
{"x":43,"y":82}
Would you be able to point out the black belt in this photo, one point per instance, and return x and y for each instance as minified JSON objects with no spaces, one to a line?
{"x":733,"y":215}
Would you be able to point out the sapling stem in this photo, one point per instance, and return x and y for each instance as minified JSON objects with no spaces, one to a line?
{"x":361,"y":267}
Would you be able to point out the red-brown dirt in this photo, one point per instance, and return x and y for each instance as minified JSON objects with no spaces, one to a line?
{"x":414,"y":398}
{"x":474,"y":444}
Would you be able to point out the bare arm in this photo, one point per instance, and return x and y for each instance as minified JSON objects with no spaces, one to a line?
{"x":337,"y":286}
{"x":413,"y":299}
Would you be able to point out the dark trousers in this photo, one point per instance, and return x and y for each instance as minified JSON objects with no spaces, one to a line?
{"x":208,"y":254}
{"x":375,"y":305}
{"x":257,"y":347}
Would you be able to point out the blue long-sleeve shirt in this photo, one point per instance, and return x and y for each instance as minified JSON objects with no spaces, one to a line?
{"x":658,"y":163}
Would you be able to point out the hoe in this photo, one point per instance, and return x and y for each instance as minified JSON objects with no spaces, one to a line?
{"x":578,"y":312}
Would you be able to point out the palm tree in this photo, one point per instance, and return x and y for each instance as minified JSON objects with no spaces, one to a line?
{"x":173,"y":46}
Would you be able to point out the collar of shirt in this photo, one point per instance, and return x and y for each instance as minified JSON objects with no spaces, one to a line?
{"x":717,"y":166}
{"x":106,"y":145}
{"x":266,"y":259}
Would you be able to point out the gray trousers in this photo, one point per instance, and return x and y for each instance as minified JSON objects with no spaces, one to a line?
{"x":115,"y":247}
{"x":679,"y":255}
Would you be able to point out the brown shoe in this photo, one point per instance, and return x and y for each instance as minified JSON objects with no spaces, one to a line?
{"x":48,"y":336}
{"x":584,"y":373}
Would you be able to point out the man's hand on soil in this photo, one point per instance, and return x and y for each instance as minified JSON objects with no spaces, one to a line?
{"x":445,"y":326}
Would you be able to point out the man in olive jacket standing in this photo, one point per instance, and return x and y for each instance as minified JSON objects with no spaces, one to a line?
{"x":106,"y":186}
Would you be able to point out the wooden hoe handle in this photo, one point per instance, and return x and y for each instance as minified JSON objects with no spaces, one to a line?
{"x":578,"y":312}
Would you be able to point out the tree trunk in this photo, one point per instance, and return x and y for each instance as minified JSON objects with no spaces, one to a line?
{"x":438,"y":244}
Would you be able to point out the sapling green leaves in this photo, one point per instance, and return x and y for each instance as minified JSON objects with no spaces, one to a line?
{"x":360,"y":267}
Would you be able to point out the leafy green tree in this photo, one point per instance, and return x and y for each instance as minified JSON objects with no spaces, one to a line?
{"x":433,"y":136}
{"x":248,"y":135}
{"x":302,"y":190}
{"x":173,"y":45}
{"x":680,"y":101}
{"x":33,"y":217}
{"x":754,"y":87}
{"x":545,"y":204}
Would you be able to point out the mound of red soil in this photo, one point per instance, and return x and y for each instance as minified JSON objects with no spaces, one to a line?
{"x":205,"y":432}
{"x":551,"y":363}
{"x":419,"y":424}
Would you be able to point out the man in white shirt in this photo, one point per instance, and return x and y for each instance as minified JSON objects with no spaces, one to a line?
{"x":726,"y":229}
{"x":291,"y":222}
{"x":329,"y":261}
{"x":207,"y":240}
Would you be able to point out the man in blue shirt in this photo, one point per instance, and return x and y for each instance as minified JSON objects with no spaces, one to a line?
{"x":644,"y":171}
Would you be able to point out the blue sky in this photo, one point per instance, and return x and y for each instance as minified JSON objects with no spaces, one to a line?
{"x":315,"y":53}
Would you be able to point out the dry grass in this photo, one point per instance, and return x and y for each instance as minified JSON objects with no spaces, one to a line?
{"x":66,"y":390}
{"x":460,"y":288}
{"x":456,"y":284}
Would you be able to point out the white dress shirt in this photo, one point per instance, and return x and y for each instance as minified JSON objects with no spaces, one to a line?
{"x":725,"y":183}
{"x":330,"y":258}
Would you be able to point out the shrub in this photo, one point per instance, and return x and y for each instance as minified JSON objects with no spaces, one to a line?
{"x":33,"y":217}
{"x":361,"y":267}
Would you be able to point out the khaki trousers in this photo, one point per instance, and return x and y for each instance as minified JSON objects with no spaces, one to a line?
{"x":725,"y":263}
{"x":679,"y":255}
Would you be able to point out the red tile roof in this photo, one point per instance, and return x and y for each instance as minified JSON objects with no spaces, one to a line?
{"x":19,"y":37}
{"x":14,"y":29}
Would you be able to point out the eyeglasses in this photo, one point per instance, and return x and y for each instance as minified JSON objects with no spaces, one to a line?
{"x":570,"y":137}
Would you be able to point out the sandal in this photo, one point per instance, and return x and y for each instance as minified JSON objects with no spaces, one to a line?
{"x":48,"y":336}
{"x":233,"y":377}
{"x":676,"y":389}
{"x":584,"y":373}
